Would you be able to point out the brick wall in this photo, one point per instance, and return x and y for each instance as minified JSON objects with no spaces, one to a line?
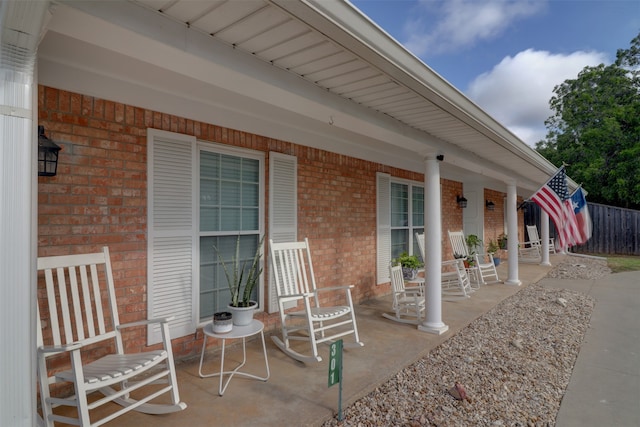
{"x":99,"y":197}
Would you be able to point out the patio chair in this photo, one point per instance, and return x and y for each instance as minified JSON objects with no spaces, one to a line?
{"x":408,"y":302}
{"x":483,"y":267}
{"x":455,"y":280}
{"x":456,"y":283}
{"x":78,"y":320}
{"x":315,"y":323}
{"x":536,"y":241}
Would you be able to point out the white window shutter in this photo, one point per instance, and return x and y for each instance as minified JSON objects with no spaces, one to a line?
{"x":383,"y":204}
{"x":171,"y":232}
{"x":283,"y":208}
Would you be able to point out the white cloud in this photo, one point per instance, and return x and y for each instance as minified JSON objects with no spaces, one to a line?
{"x":516,"y":92}
{"x":438,"y":27}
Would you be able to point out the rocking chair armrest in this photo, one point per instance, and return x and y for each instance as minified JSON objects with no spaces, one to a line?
{"x":60,"y":348}
{"x":335,"y":288}
{"x":297,"y":296}
{"x":146,"y":322}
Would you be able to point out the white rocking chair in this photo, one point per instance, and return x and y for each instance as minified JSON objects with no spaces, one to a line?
{"x":481,"y":269}
{"x":295,"y":283}
{"x":81,"y":311}
{"x":536,"y":241}
{"x":455,"y":284}
{"x":408,"y":302}
{"x":455,"y":281}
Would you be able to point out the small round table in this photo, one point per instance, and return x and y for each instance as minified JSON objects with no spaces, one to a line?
{"x":253,"y":328}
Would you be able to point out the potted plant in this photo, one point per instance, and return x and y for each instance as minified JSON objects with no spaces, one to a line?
{"x":493,"y":248}
{"x":473,"y":243}
{"x":410,"y":265}
{"x":241,"y":283}
{"x":468,"y":261}
{"x":502,"y":241}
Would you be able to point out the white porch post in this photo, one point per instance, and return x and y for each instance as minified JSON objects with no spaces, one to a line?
{"x":20,"y":23}
{"x":544,"y":235}
{"x":433,"y":248}
{"x":512,"y":233}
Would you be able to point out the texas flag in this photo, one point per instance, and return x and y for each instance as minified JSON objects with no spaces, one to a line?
{"x":583,"y":218}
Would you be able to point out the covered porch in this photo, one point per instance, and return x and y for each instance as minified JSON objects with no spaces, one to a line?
{"x":297,"y":394}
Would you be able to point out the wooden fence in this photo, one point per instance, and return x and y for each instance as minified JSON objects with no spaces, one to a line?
{"x":616,"y":231}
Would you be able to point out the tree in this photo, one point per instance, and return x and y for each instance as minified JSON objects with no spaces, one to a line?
{"x":595,"y":129}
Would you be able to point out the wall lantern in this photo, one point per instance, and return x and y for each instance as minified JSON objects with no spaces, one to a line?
{"x":490,"y":205}
{"x":462,"y":202}
{"x":47,"y":154}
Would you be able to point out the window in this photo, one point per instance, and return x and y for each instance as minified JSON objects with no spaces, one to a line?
{"x":399,"y":215}
{"x":407,"y":217}
{"x":230,"y":206}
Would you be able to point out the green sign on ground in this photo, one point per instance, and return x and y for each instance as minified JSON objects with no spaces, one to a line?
{"x":335,"y":363}
{"x":335,"y":371}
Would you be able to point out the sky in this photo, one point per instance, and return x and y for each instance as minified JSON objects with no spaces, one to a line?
{"x":507,"y":56}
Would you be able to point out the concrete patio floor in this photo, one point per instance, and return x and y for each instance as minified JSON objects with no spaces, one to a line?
{"x":297,"y":394}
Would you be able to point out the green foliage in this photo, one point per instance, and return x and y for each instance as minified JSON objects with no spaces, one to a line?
{"x":492,"y":247}
{"x":473,"y":243}
{"x":408,"y":261}
{"x":502,"y":241}
{"x":618,"y":264}
{"x":239,"y":285}
{"x":595,"y":129}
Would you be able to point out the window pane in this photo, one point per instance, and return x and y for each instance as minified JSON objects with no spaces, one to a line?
{"x":230,"y":193}
{"x":250,"y":170}
{"x":230,"y":167}
{"x":399,"y":242}
{"x":214,"y":287}
{"x":230,"y":219}
{"x":209,"y":165}
{"x":399,"y":205}
{"x":417,"y":206}
{"x":250,"y":219}
{"x":250,"y":195}
{"x":416,"y":248}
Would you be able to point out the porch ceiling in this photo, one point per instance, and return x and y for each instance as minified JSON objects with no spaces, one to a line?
{"x":335,"y":47}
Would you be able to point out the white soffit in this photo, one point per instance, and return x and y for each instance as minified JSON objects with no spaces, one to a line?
{"x":333,"y":46}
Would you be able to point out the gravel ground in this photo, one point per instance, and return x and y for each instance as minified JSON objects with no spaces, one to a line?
{"x":513,"y":364}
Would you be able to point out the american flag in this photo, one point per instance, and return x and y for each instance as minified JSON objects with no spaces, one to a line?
{"x":554,"y":199}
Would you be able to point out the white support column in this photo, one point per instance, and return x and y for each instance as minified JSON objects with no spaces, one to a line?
{"x":433,"y":248}
{"x":512,"y":233}
{"x":544,"y":236}
{"x":20,"y":23}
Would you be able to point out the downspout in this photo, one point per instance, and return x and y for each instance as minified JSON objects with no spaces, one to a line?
{"x":20,"y":24}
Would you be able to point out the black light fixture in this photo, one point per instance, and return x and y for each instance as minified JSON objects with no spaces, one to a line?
{"x":462,"y":202}
{"x":490,"y":205}
{"x":47,"y":154}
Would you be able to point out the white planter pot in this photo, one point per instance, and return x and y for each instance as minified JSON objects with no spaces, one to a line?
{"x":242,"y":316}
{"x":222,"y":322}
{"x":409,"y":273}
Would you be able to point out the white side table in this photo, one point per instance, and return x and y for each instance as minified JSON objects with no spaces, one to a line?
{"x":253,"y":328}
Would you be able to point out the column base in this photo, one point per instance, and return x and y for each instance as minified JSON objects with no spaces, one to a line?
{"x":513,"y":282}
{"x":437,"y":330}
{"x":546,"y":264}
